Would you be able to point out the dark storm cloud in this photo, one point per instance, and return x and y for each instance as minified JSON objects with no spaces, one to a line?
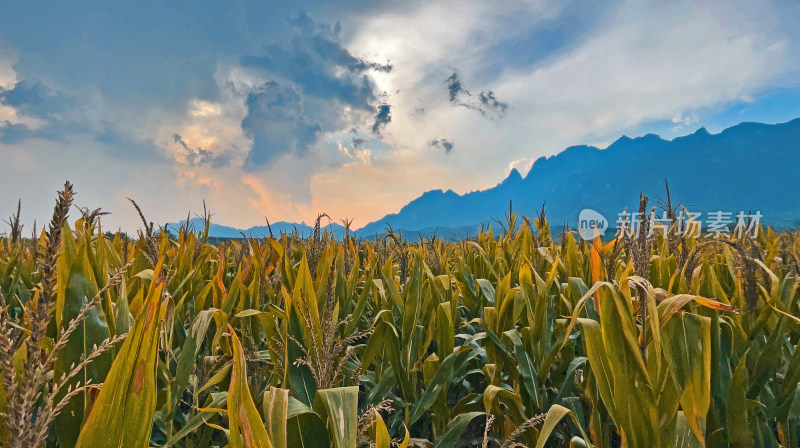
{"x":484,"y":102}
{"x":382,"y":118}
{"x":315,"y":60}
{"x":277,"y":123}
{"x":442,"y":144}
{"x":312,"y":78}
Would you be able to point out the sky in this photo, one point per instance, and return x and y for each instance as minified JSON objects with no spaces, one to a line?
{"x":285,"y":110}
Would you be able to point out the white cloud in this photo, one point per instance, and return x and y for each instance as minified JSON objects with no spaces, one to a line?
{"x":685,"y":120}
{"x":522,"y":165}
{"x":8,"y":79}
{"x":680,"y":121}
{"x":357,"y":155}
{"x":8,"y":76}
{"x":10,"y":115}
{"x":205,"y":130}
{"x":650,"y":64}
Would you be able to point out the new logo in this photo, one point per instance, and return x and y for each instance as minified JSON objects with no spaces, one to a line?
{"x":591,"y":224}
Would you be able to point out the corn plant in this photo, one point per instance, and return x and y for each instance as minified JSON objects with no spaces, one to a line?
{"x":517,"y":337}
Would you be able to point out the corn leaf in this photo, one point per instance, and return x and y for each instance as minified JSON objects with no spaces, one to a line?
{"x":122,"y":416}
{"x":338,"y":408}
{"x":245,"y":425}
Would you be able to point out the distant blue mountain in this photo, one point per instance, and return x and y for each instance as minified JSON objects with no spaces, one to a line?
{"x":278,"y":228}
{"x":750,"y":166}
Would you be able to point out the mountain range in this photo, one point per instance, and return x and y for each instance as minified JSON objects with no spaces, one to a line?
{"x":275,"y":229}
{"x":747,"y":167}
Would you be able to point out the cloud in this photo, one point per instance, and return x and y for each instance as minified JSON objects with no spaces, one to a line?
{"x":277,"y":119}
{"x":356,"y":154}
{"x":442,"y":144}
{"x":522,"y":165}
{"x":485,"y":102}
{"x":312,"y":85}
{"x":195,"y":155}
{"x":315,"y":60}
{"x":31,"y":109}
{"x":455,"y":88}
{"x":277,"y":123}
{"x":357,"y":142}
{"x":37,"y":99}
{"x":34,"y":109}
{"x":382,"y":118}
{"x":680,"y":121}
{"x":256,"y":141}
{"x":255,"y":138}
{"x":207,"y":132}
{"x":489,"y":102}
{"x":653,"y":63}
{"x":8,"y":76}
{"x":687,"y":120}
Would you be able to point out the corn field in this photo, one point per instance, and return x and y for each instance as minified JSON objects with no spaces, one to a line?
{"x":507,"y":340}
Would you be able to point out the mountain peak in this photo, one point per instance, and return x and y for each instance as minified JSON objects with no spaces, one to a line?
{"x":625,"y":141}
{"x":513,"y":177}
{"x":622,"y":140}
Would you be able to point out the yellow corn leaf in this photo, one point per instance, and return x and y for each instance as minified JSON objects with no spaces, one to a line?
{"x":276,"y":407}
{"x":122,"y":416}
{"x":245,"y":425}
{"x":382,"y":438}
{"x":671,"y":305}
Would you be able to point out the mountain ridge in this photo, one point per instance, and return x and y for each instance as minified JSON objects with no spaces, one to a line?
{"x":748,"y":166}
{"x":579,"y":177}
{"x":275,"y":229}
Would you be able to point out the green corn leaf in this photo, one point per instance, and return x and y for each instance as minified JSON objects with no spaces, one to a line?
{"x":304,"y":427}
{"x":77,"y":284}
{"x":338,"y":408}
{"x":455,"y":429}
{"x":687,"y":350}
